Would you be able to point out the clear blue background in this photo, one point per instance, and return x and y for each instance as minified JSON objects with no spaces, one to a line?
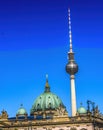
{"x":34,"y":41}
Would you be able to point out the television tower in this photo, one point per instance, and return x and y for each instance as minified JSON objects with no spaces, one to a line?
{"x":72,"y":69}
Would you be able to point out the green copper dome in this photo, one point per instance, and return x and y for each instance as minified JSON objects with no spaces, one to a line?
{"x":21,"y":111}
{"x":81,"y":110}
{"x":46,"y":101}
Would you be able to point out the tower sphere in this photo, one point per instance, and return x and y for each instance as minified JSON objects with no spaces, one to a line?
{"x":71,"y":68}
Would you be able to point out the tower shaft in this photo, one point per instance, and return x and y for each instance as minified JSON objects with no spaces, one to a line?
{"x":73,"y":95}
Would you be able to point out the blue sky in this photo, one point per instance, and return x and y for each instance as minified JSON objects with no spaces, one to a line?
{"x":34,"y":41}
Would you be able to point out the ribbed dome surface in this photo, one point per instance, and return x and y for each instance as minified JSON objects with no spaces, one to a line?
{"x":45,"y":101}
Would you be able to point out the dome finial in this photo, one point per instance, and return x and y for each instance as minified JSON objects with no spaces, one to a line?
{"x":47,"y":87}
{"x":70,"y":31}
{"x":21,"y":105}
{"x":46,"y":77}
{"x":81,"y":104}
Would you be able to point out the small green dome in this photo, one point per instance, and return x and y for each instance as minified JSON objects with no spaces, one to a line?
{"x":21,"y":111}
{"x":46,"y":101}
{"x":82,"y":110}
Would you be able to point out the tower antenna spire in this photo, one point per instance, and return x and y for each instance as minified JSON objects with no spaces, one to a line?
{"x":70,"y":30}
